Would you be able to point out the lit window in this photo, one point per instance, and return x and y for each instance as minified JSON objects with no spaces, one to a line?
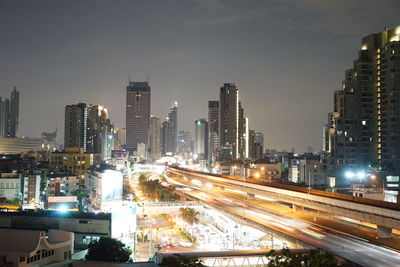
{"x":364,"y":122}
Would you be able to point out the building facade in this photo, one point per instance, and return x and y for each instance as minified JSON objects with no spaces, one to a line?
{"x":137,"y":114}
{"x":9,"y":115}
{"x":73,"y":160}
{"x":229,"y":117}
{"x":213,"y":120}
{"x":155,"y":137}
{"x":201,"y":139}
{"x":363,"y":131}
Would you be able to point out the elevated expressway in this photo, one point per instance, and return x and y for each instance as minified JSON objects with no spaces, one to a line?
{"x":227,"y":193}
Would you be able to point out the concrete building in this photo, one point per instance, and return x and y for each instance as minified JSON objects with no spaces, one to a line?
{"x":311,"y":173}
{"x":9,"y":115}
{"x":75,"y":126}
{"x":256,"y":145}
{"x":364,"y":128}
{"x":88,"y":127}
{"x":31,"y":191}
{"x":233,"y":126}
{"x":201,"y":139}
{"x":60,"y":184}
{"x":155,"y":137}
{"x":85,"y":226}
{"x":73,"y":160}
{"x":105,"y":187}
{"x":33,"y":248}
{"x":10,"y":186}
{"x":265,"y":170}
{"x":137,"y":114}
{"x":213,"y":120}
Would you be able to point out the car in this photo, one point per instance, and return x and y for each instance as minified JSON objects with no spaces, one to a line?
{"x":168,"y":245}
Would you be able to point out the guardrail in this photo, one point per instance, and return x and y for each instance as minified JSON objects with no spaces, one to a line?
{"x":353,"y":199}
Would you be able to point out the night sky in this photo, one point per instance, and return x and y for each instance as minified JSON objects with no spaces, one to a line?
{"x":286,"y":56}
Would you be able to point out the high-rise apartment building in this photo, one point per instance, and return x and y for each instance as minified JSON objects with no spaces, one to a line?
{"x":75,"y":126}
{"x":201,"y":139}
{"x":137,"y":114}
{"x":9,"y":115}
{"x":88,"y":127}
{"x":233,"y":126}
{"x":229,"y":118}
{"x":155,"y":137}
{"x":213,"y":120}
{"x":364,"y":128}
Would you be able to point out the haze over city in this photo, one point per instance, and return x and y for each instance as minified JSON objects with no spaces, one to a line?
{"x":287,"y":58}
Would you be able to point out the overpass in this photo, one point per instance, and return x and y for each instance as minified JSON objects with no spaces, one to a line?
{"x":164,"y":207}
{"x":383,"y":214}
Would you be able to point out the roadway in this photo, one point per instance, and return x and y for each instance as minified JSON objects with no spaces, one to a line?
{"x":261,"y":211}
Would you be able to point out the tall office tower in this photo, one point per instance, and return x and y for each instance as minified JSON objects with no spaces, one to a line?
{"x":256,"y":145}
{"x":229,"y":120}
{"x":364,"y":128}
{"x":14,"y":113}
{"x":173,"y":119}
{"x":9,"y":115}
{"x":213,"y":120}
{"x":137,"y":114}
{"x":75,"y":126}
{"x":155,"y":137}
{"x":201,"y":139}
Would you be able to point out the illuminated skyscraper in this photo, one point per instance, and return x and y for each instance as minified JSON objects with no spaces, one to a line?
{"x":137,"y":114}
{"x":363,"y":131}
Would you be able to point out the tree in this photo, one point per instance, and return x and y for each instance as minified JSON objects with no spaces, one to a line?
{"x":181,"y":261}
{"x":312,"y":258}
{"x":108,"y":249}
{"x":189,"y":215}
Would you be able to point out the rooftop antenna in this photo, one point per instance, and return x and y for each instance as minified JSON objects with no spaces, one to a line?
{"x":130,"y":78}
{"x":148,"y":78}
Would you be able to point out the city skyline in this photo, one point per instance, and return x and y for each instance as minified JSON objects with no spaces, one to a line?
{"x":98,"y":55}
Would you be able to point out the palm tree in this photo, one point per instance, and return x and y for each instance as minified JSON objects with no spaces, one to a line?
{"x":189,"y":215}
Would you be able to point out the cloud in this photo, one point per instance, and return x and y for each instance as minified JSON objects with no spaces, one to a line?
{"x":240,"y":16}
{"x":348,"y":18}
{"x":212,"y":6}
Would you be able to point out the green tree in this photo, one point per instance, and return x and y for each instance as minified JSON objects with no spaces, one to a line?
{"x":312,"y":258}
{"x":108,"y":249}
{"x":189,"y":215}
{"x":181,"y":261}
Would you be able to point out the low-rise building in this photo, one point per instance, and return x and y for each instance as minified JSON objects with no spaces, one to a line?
{"x":10,"y":187}
{"x":31,"y":191}
{"x":62,"y":184}
{"x":33,"y":248}
{"x":72,"y":159}
{"x":268,"y":171}
{"x":105,"y":186}
{"x":85,"y":226}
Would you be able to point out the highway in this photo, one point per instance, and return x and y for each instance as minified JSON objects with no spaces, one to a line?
{"x":357,"y":251}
